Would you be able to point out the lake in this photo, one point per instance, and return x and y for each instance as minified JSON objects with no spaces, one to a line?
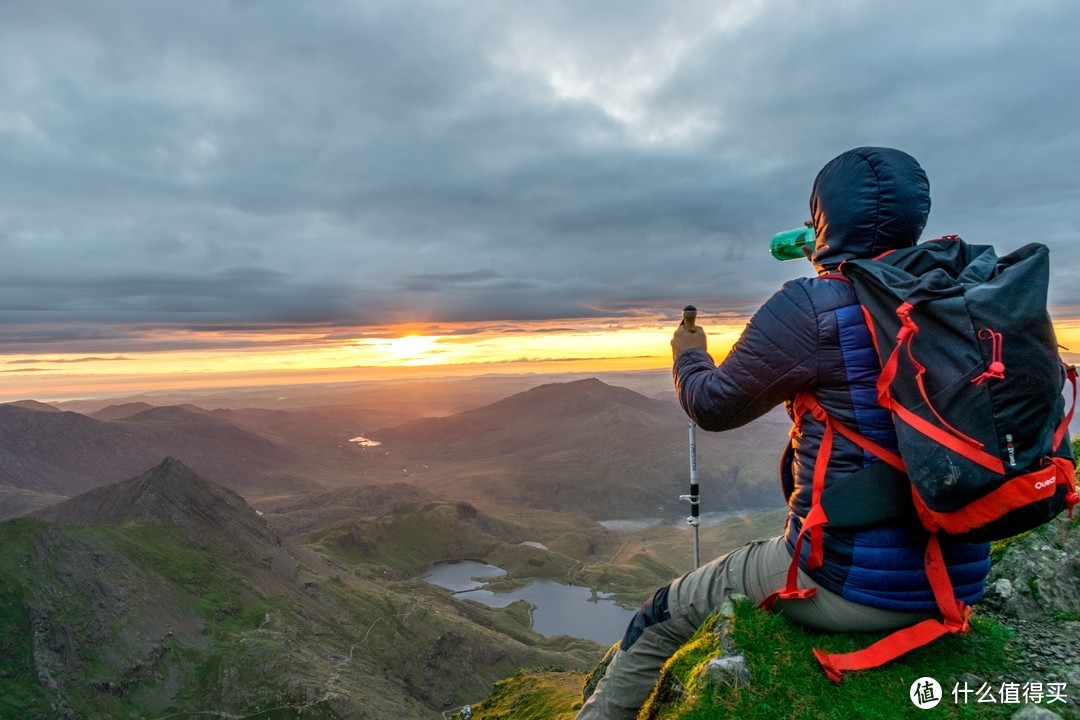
{"x":558,"y":609}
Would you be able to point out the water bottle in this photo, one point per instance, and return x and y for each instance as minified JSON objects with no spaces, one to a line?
{"x":788,"y":245}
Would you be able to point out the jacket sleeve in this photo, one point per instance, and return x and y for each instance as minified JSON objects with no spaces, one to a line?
{"x":775,"y":357}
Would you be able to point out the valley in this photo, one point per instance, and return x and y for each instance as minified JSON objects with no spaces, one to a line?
{"x":267,"y":566}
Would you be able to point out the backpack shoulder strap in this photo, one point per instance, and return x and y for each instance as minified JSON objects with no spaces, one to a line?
{"x":815,"y":520}
{"x":954,"y":614}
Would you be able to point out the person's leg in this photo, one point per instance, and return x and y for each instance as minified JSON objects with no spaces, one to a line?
{"x":662,"y":626}
{"x":763,"y":570}
{"x":754,"y":570}
{"x":633,"y":672}
{"x":669,"y":619}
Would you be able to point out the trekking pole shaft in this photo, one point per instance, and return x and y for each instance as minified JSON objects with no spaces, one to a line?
{"x":690,"y":323}
{"x":695,"y":498}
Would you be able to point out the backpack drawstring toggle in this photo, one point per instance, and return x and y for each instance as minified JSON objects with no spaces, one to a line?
{"x":996,"y":369}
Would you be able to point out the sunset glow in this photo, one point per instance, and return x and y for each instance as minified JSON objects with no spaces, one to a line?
{"x":369,"y":354}
{"x":206,"y":361}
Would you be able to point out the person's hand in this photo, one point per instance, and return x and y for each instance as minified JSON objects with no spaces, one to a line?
{"x":685,"y":340}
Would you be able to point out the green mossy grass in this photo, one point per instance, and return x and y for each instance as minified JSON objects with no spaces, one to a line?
{"x":532,"y":695}
{"x":789,"y":683}
{"x":20,"y":693}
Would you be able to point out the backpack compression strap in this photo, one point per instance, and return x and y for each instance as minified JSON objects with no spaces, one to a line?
{"x":1068,"y":469}
{"x":1059,"y":434}
{"x":946,"y":435}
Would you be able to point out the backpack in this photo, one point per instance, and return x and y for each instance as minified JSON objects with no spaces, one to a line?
{"x":972,"y":375}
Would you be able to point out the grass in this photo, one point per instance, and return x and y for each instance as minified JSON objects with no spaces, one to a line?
{"x":789,"y":684}
{"x":532,"y":695}
{"x":679,"y":676}
{"x":408,"y":540}
{"x":108,"y":627}
{"x":630,"y":564}
{"x":20,"y":693}
{"x":213,"y":589}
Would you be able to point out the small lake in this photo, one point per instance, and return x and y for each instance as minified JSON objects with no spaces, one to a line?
{"x":558,"y":609}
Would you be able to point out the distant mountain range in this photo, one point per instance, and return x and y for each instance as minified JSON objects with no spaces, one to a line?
{"x":297,"y":514}
{"x":34,"y":405}
{"x":590,"y":448}
{"x":53,"y":454}
{"x":126,"y":410}
{"x":583,"y":446}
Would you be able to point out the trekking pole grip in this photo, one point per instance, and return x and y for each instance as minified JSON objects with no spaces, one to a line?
{"x":689,"y":318}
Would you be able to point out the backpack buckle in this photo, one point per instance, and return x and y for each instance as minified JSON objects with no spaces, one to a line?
{"x":797,"y":594}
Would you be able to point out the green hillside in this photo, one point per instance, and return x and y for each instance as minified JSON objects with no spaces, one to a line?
{"x":146,"y":619}
{"x":1003,"y":650}
{"x":167,"y":596}
{"x":786,"y":680}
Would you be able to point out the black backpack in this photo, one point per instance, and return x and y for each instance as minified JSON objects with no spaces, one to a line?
{"x":972,"y":375}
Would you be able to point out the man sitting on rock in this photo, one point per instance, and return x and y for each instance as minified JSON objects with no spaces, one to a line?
{"x":810,"y":337}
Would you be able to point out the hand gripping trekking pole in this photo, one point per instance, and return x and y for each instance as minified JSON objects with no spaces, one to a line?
{"x":690,"y":323}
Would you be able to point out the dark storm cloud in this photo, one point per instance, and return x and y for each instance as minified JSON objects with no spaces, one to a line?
{"x":243,"y":166}
{"x":439,"y":282}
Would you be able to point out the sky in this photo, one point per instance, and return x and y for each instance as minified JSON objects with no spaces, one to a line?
{"x":231,"y":192}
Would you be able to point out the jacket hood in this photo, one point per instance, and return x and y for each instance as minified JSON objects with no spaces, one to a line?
{"x":866,"y":201}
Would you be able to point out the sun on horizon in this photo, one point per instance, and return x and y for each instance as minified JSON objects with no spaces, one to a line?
{"x":215,"y":360}
{"x":240,"y":360}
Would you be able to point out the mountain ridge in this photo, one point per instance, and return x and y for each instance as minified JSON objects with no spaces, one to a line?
{"x":152,"y":598}
{"x":66,"y":453}
{"x":34,"y":405}
{"x":170,"y":493}
{"x":589,"y":447}
{"x":120,"y":411}
{"x":583,"y":446}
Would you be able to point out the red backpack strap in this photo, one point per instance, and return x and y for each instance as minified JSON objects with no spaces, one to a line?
{"x":1072,"y":498}
{"x":791,"y":590}
{"x":816,"y":519}
{"x":954,"y":613}
{"x":1059,"y":434}
{"x":945,"y":435}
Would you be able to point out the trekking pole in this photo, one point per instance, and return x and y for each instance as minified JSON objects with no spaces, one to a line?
{"x":690,"y":323}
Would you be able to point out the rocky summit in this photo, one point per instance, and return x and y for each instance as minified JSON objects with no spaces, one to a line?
{"x":171,"y":493}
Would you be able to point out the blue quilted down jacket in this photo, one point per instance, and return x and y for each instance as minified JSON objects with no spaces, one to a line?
{"x":810,"y":337}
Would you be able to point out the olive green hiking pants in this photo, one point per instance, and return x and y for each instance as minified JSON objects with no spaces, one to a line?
{"x":754,"y":570}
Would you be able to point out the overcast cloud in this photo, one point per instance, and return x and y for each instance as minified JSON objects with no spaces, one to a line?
{"x":334,"y":164}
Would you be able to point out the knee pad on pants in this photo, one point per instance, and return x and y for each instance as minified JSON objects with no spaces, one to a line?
{"x":653,"y":611}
